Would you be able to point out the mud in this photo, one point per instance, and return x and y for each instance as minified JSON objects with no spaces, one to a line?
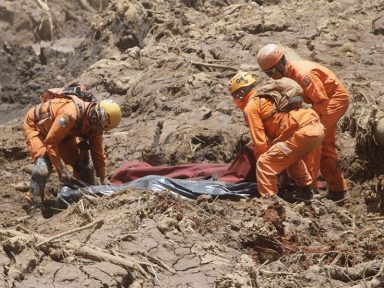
{"x":168,"y":64}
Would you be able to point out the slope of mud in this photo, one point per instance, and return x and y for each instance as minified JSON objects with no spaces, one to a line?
{"x":168,"y":64}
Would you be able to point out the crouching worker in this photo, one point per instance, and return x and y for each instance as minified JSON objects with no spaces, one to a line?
{"x":330,"y":100}
{"x":62,"y":130}
{"x":282,"y":134}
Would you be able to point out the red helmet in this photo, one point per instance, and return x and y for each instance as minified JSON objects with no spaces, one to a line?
{"x":269,"y":56}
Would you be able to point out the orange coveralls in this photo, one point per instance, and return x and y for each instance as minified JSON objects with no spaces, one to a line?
{"x":280,"y":141}
{"x":57,"y":137}
{"x":330,"y":99}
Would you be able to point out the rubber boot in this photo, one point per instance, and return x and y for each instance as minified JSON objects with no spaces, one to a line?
{"x":303,"y":193}
{"x":336,"y":196}
{"x":40,"y":173}
{"x":88,"y":176}
{"x":30,"y":204}
{"x":84,"y":169}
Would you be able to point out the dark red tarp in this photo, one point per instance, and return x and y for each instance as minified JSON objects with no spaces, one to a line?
{"x":242,"y":169}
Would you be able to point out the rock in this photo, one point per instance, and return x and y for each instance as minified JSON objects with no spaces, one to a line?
{"x":246,"y":262}
{"x":165,"y":224}
{"x":16,"y":245}
{"x":204,"y":198}
{"x":347,"y":47}
{"x":236,"y":225}
{"x":220,"y":210}
{"x":237,"y":279}
{"x":22,"y":186}
{"x":15,"y":274}
{"x":349,"y":54}
{"x":315,"y":268}
{"x":249,"y":224}
{"x":187,"y":226}
{"x":378,"y":26}
{"x":134,"y":52}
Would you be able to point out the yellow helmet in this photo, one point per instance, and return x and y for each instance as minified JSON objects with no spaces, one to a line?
{"x":109,"y":114}
{"x":241,"y":79}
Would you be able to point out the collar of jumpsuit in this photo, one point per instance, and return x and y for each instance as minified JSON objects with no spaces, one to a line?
{"x":242,"y":103}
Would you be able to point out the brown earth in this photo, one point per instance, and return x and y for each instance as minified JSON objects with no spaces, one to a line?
{"x":168,"y":64}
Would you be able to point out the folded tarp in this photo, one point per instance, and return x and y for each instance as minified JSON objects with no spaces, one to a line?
{"x":242,"y":169}
{"x":185,"y":188}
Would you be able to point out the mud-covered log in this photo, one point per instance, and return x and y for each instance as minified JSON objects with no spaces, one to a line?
{"x":98,"y":255}
{"x":350,"y":274}
{"x":16,"y":240}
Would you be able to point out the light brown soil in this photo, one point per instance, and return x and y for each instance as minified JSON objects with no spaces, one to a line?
{"x":168,"y":64}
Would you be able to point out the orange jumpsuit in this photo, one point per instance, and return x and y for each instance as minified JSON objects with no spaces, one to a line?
{"x":330,"y":99}
{"x":280,"y":141}
{"x":57,"y":136}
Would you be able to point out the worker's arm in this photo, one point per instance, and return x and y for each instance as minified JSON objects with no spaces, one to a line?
{"x":98,"y":157}
{"x":256,"y":127}
{"x":314,"y":89}
{"x":62,"y":125}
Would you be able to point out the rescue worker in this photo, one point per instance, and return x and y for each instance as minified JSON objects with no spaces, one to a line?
{"x":52,"y":132}
{"x":280,"y":139}
{"x":329,"y":98}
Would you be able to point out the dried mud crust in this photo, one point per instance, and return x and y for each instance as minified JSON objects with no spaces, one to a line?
{"x":142,"y":239}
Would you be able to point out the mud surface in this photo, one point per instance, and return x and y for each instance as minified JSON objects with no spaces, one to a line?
{"x":168,"y":64}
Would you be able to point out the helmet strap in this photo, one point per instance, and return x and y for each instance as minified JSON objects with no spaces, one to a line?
{"x":93,"y":119}
{"x":242,"y":92}
{"x":281,"y":65}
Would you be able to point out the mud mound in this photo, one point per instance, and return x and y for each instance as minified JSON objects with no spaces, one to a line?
{"x":38,"y":38}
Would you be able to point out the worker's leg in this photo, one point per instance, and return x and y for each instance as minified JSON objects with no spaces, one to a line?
{"x":329,"y":167}
{"x":41,"y":165}
{"x":80,"y":160}
{"x":285,"y":154}
{"x":312,"y":162}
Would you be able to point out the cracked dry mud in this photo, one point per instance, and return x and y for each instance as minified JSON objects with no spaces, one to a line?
{"x":168,"y":64}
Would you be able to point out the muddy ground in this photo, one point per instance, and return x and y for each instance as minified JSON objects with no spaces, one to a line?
{"x":168,"y":64}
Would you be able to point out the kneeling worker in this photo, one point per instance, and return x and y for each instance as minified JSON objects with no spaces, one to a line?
{"x":52,"y":131}
{"x":282,"y":135}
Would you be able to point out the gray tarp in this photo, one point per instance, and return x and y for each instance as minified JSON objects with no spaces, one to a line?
{"x":186,"y":188}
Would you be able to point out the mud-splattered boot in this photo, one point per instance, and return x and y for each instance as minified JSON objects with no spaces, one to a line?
{"x":32,"y":203}
{"x":336,"y":196}
{"x":40,"y":173}
{"x":84,"y":169}
{"x":303,"y":193}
